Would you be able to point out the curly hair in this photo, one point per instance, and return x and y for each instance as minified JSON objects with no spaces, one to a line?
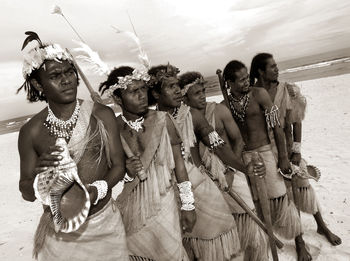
{"x":188,"y":77}
{"x":33,"y":95}
{"x":113,"y":79}
{"x":230,"y":70}
{"x":259,"y":62}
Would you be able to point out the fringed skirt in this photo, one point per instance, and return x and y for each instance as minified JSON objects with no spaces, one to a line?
{"x":285,"y":218}
{"x":101,"y":237}
{"x":214,"y":236}
{"x":251,"y":236}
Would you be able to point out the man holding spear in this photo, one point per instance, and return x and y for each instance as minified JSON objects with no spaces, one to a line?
{"x":255,"y":114}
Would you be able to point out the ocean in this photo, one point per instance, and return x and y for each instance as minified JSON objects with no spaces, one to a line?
{"x":295,"y":70}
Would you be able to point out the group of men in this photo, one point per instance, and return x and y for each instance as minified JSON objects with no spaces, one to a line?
{"x":178,"y":162}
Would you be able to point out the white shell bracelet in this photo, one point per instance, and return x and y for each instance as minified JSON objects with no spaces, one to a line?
{"x":102,"y":189}
{"x":186,"y":196}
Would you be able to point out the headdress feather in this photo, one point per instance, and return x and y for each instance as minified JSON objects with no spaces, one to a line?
{"x":31,"y":37}
{"x":143,"y":57}
{"x":92,"y":58}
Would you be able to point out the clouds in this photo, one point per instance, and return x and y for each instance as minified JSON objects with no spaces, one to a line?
{"x":188,"y":33}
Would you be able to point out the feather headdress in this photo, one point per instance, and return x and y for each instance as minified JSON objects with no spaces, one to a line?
{"x":36,"y":56}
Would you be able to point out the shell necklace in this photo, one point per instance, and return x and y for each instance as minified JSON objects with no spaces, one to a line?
{"x":136,"y":124}
{"x":60,"y":128}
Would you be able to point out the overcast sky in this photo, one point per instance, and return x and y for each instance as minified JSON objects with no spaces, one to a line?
{"x":193,"y":35}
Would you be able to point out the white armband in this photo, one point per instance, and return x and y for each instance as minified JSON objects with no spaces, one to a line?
{"x":215,"y":140}
{"x":272,"y":117}
{"x":127,"y":178}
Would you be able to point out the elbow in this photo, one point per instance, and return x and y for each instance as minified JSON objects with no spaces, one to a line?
{"x":27,"y":194}
{"x":27,"y":197}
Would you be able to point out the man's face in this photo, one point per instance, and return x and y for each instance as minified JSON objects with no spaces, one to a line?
{"x":271,"y":71}
{"x":241,"y":84}
{"x":170,"y":95}
{"x":195,"y":96}
{"x":59,"y":81}
{"x":134,"y":98}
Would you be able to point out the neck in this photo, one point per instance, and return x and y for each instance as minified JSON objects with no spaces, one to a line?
{"x":62,"y":111}
{"x":266,"y":84}
{"x":237,"y":95}
{"x":131,"y":116}
{"x":204,"y":109}
{"x":168,"y":109}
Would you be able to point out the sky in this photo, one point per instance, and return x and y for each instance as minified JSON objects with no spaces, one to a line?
{"x":191,"y":34}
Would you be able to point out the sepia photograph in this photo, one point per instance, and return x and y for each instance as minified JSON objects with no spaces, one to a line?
{"x":158,"y":130}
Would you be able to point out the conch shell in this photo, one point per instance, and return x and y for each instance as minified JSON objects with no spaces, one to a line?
{"x":61,"y":188}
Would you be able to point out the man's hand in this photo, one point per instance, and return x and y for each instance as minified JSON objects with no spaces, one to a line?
{"x":133,"y":166}
{"x":295,"y":158}
{"x":188,"y":220}
{"x":48,"y":159}
{"x":229,"y":175}
{"x":284,"y":165}
{"x":256,"y":170}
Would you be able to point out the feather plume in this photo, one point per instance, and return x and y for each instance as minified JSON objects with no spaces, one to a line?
{"x":92,"y":58}
{"x":31,"y":37}
{"x":143,"y":57}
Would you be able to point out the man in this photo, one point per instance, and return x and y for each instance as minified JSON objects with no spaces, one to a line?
{"x":214,"y":236}
{"x":292,"y":104}
{"x":98,"y":163}
{"x":148,"y":201}
{"x":252,"y":238}
{"x":255,"y":114}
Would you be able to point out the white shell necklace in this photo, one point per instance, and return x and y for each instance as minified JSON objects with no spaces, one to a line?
{"x":136,"y":124}
{"x":60,"y":128}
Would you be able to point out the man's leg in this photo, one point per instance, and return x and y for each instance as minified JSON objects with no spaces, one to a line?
{"x":323,"y":230}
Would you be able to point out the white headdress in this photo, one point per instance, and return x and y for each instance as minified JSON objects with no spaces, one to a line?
{"x":98,"y":66}
{"x":35,"y":57}
{"x":199,"y":80}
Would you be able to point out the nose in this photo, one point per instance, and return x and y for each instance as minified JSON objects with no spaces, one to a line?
{"x":65,"y":78}
{"x":177,"y":89}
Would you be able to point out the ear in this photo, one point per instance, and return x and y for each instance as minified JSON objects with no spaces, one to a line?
{"x":117,"y":100}
{"x":36,"y":85}
{"x":261,"y":72}
{"x":155,"y":95}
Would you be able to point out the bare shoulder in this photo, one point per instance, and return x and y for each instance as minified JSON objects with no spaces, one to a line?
{"x":103,"y":112}
{"x":32,"y":128}
{"x":222,"y":111}
{"x":260,"y":95}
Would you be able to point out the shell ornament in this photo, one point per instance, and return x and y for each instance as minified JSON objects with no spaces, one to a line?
{"x":51,"y":185}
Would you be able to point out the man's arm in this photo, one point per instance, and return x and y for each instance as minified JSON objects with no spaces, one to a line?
{"x":224,"y":151}
{"x":231,"y":129}
{"x":265,"y":102}
{"x":116,"y":171}
{"x":28,"y":158}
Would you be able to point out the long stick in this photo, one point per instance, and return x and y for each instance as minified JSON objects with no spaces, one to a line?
{"x":94,"y":95}
{"x":247,"y":209}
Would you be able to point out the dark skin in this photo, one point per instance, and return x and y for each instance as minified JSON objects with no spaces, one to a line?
{"x":59,"y":84}
{"x":169,"y":99}
{"x":254,"y":129}
{"x":225,"y":126}
{"x":268,"y":79}
{"x":134,"y":103}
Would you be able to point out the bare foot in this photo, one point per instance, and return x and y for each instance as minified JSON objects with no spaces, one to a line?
{"x":303,"y":254}
{"x":332,"y":238}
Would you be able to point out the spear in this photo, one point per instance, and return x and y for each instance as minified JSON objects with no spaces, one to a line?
{"x":94,"y":95}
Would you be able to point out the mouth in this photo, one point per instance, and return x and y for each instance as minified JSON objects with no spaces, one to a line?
{"x":178,"y":99}
{"x":68,"y":91}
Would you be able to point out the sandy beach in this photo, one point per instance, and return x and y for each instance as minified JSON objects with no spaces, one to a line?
{"x":326,"y":136}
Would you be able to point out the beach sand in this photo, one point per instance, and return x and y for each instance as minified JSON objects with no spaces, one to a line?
{"x":326,"y":136}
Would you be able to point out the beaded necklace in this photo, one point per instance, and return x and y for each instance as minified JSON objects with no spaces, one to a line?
{"x":239,"y":106}
{"x":60,"y":128}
